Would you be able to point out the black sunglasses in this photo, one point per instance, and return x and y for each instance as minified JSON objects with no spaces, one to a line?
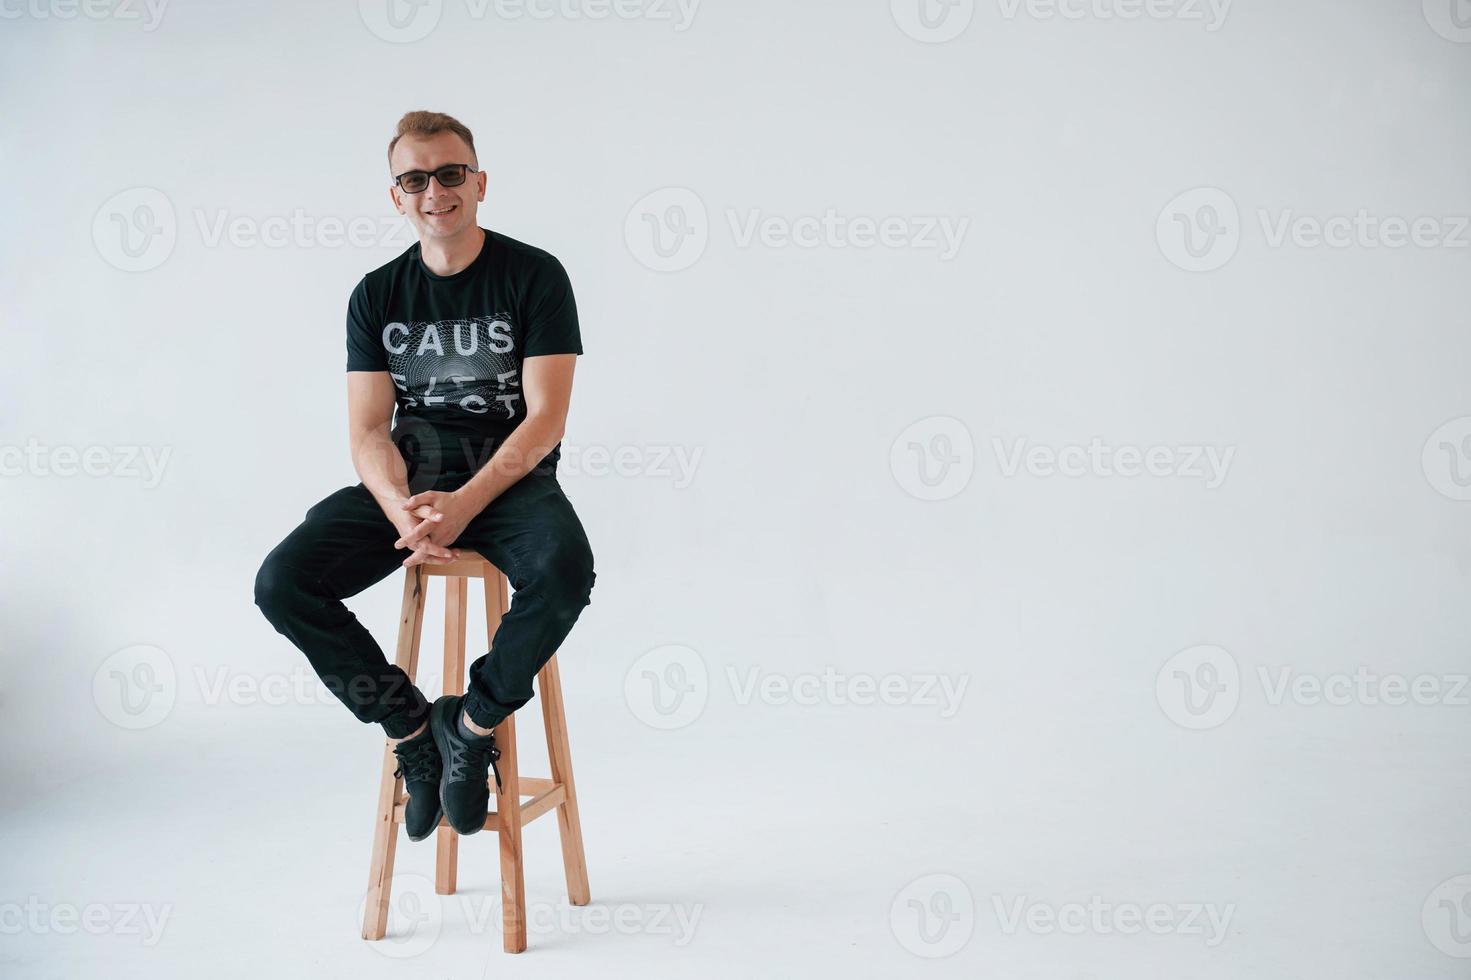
{"x":449,"y":175}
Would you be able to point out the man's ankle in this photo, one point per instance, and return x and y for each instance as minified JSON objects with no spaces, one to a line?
{"x":414,"y":734}
{"x":467,"y":725}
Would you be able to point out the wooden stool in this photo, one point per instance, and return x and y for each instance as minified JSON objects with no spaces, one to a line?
{"x":510,"y":813}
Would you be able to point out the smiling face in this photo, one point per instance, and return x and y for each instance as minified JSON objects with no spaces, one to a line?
{"x":437,"y":212}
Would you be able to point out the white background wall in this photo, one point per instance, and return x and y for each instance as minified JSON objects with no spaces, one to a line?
{"x":1121,"y":272}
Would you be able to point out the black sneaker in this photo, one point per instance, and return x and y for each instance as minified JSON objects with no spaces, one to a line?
{"x":420,"y":766}
{"x":463,"y":791}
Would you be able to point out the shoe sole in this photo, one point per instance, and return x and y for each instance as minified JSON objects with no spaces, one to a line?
{"x":437,"y":724}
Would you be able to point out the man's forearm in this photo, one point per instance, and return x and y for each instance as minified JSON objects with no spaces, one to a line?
{"x":381,"y":467}
{"x":523,"y":449}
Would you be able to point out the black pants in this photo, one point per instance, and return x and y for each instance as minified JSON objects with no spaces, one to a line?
{"x":345,"y":544}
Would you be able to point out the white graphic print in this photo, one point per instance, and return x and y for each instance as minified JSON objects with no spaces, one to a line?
{"x":469,"y":364}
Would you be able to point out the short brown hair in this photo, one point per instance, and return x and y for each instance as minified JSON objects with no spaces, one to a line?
{"x":423,"y":123}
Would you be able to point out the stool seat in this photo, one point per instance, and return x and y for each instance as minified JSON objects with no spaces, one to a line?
{"x":556,"y":793}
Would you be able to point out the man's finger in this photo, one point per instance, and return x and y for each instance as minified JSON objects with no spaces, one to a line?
{"x":417,"y":533}
{"x":429,"y":497}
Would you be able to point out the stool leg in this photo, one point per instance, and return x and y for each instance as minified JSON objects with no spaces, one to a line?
{"x":508,"y":797}
{"x":385,"y":831}
{"x":447,"y":842}
{"x":559,"y":754}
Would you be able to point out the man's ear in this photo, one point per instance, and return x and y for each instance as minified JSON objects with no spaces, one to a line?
{"x":393,"y":196}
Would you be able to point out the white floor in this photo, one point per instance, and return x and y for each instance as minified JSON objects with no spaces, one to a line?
{"x":773,"y":839}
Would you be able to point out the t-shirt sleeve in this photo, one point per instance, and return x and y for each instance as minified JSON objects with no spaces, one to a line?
{"x":551,"y":316}
{"x":364,"y":346}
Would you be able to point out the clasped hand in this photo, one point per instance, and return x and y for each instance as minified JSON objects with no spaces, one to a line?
{"x":433,"y":520}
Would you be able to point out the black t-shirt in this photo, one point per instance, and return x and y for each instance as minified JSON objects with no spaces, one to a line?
{"x":454,"y":345}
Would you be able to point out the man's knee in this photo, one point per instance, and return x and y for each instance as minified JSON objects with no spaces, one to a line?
{"x":564,"y":572}
{"x":277,"y":587}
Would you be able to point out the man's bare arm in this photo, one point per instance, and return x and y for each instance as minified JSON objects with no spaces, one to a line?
{"x":546,"y":382}
{"x":379,"y":464}
{"x":370,"y":401}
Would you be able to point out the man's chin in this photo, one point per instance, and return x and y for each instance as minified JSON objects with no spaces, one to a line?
{"x":444,"y":231}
